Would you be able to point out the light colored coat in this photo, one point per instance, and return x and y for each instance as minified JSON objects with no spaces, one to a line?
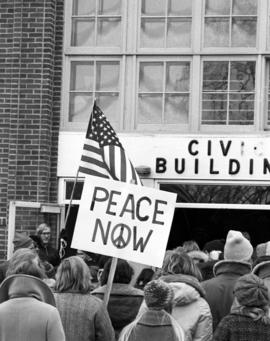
{"x":24,"y":315}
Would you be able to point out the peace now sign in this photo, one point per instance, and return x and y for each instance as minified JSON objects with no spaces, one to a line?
{"x":124,"y":220}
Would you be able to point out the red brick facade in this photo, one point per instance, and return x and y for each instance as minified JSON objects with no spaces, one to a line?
{"x":31,"y":34}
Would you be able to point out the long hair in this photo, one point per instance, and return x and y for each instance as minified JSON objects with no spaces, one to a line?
{"x":180,"y":263}
{"x":255,"y":313}
{"x":41,"y":228}
{"x":73,"y":275}
{"x":130,"y":328}
{"x":26,"y":261}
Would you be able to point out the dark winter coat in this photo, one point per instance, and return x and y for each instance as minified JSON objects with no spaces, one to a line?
{"x":235,"y":327}
{"x":49,"y":254}
{"x":219,"y":290}
{"x":123,"y":305}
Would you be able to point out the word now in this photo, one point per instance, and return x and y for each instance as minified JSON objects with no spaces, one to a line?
{"x":120,"y":235}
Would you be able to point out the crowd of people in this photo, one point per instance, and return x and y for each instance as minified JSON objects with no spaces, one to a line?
{"x":219,"y":293}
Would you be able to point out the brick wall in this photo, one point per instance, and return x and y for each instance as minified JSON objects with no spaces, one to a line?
{"x":31,"y":33}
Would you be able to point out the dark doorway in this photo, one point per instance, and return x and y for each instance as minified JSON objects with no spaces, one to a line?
{"x":203,"y":225}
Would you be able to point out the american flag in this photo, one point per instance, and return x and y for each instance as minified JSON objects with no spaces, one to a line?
{"x":103,"y":154}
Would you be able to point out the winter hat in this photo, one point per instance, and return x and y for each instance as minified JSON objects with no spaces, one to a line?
{"x":251,"y":291}
{"x":158,"y":295}
{"x":237,"y":247}
{"x":263,"y":249}
{"x":21,"y":240}
{"x":214,"y":245}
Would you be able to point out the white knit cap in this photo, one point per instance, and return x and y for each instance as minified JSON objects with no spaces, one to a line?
{"x":237,"y":247}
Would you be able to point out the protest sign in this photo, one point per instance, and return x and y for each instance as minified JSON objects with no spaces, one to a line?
{"x":124,"y":220}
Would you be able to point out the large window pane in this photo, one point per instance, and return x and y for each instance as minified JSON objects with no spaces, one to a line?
{"x":110,"y":105}
{"x":179,"y":32}
{"x":216,"y":32}
{"x":83,"y":7}
{"x":107,"y":76}
{"x":109,"y":32}
{"x":217,"y":7}
{"x":151,"y":76}
{"x":150,"y":109}
{"x":179,"y":7}
{"x":152,"y":33}
{"x":177,"y":77}
{"x":80,"y":107}
{"x":82,"y":76}
{"x":215,"y":76}
{"x":242,"y":76}
{"x":153,"y":7}
{"x":244,"y":32}
{"x":244,"y":7}
{"x":83,"y":32}
{"x":176,"y":109}
{"x":109,"y":7}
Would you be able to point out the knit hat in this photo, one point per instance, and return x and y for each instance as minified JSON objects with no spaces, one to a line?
{"x":237,"y":247}
{"x":251,"y":291}
{"x":198,"y":256}
{"x":21,"y":240}
{"x":263,"y":249}
{"x":158,"y":295}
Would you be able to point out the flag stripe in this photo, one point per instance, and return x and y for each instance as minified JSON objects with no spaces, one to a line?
{"x":134,"y":177}
{"x":92,"y":160}
{"x":89,"y":147}
{"x":92,"y":172}
{"x":112,"y":161}
{"x":96,"y":168}
{"x":93,"y":155}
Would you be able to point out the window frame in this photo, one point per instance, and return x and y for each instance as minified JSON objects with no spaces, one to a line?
{"x":219,"y":128}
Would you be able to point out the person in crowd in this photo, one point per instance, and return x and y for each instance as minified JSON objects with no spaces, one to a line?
{"x":156,"y":323}
{"x":249,"y":317}
{"x":190,"y":309}
{"x":144,"y":277}
{"x":125,"y":300}
{"x":84,"y":316}
{"x":27,"y":305}
{"x":261,"y":266}
{"x":190,"y":245}
{"x":47,"y":252}
{"x":237,"y":262}
{"x":21,"y":240}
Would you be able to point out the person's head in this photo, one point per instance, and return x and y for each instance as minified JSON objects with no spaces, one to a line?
{"x":123,"y":272}
{"x":237,"y":247}
{"x":158,"y":295}
{"x":250,"y":291}
{"x":21,"y":240}
{"x":73,"y":275}
{"x":144,"y":277}
{"x":181,"y":263}
{"x":190,"y":245}
{"x":44,"y":232}
{"x":25,"y":261}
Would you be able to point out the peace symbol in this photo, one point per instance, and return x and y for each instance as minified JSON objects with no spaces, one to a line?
{"x":120,"y":236}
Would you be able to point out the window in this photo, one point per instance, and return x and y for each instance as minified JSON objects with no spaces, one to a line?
{"x":96,"y":23}
{"x":91,"y":79}
{"x":165,"y":24}
{"x":230,"y":23}
{"x":228,"y":92}
{"x":163,"y":94}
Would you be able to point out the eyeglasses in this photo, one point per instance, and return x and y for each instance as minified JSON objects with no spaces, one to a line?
{"x":46,"y":233}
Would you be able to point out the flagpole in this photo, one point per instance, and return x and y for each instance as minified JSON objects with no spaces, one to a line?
{"x":110,"y":281}
{"x":71,"y":197}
